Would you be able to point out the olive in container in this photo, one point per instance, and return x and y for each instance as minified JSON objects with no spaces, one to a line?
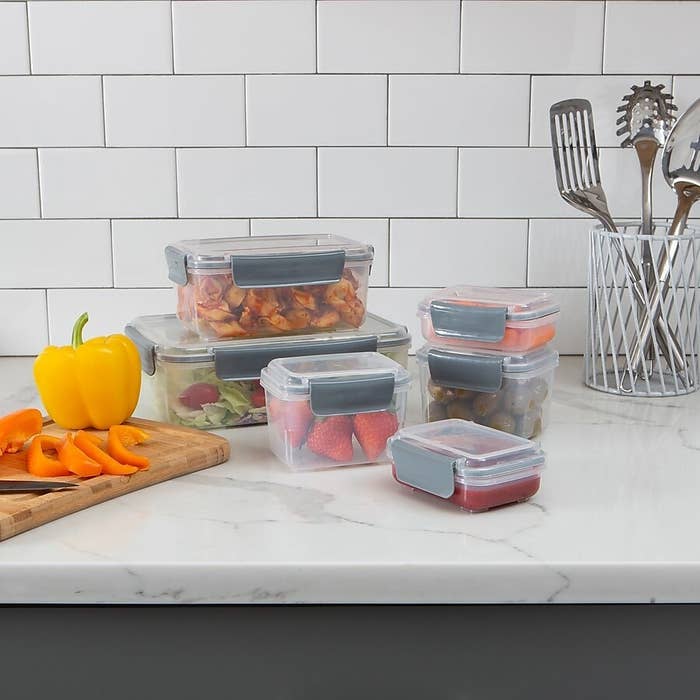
{"x":334,"y":410}
{"x":475,"y":467}
{"x":212,"y":384}
{"x":269,"y":285}
{"x":511,"y":393}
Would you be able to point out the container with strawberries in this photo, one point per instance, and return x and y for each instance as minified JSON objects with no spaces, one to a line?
{"x":333,"y":410}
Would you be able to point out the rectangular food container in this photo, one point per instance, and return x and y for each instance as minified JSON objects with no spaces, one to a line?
{"x":492,"y":318}
{"x":215,"y":384}
{"x":507,"y":392}
{"x":474,"y":467}
{"x":333,"y":410}
{"x":269,"y":285}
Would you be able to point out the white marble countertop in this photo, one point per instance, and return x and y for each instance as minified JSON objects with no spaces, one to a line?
{"x":616,"y":520}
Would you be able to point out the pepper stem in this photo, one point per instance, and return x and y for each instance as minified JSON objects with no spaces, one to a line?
{"x":77,"y":337}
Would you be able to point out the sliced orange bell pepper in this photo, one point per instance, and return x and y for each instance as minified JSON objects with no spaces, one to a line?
{"x":16,"y":428}
{"x":75,"y":460}
{"x":90,"y":445}
{"x":38,"y":463}
{"x":121,"y":436}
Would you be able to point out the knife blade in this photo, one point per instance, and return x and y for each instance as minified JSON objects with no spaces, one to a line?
{"x":13,"y":486}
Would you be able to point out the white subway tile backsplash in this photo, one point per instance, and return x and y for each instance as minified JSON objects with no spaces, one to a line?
{"x":51,"y":111}
{"x":686,"y":89}
{"x":446,"y":110}
{"x":14,"y":39}
{"x":316,"y":110}
{"x":558,"y":252}
{"x":182,"y":110}
{"x":571,"y":328}
{"x":240,"y":182}
{"x":630,"y":28}
{"x":115,"y":36}
{"x":276,"y":36}
{"x":107,"y":182}
{"x":19,"y":184}
{"x":452,"y":251}
{"x":532,"y":36}
{"x":372,"y":231}
{"x":139,"y":245}
{"x":388,"y":36}
{"x":387,"y":181}
{"x":605,"y":93}
{"x":109,"y":309}
{"x":57,"y":254}
{"x":23,"y":321}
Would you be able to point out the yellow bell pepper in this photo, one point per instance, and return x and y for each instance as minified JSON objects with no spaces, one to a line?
{"x":91,"y":384}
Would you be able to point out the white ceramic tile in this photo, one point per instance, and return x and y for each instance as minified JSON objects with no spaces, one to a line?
{"x":19,"y":184}
{"x":520,"y":182}
{"x":558,"y":252}
{"x":316,"y":110}
{"x":138,"y":245}
{"x":532,"y":37}
{"x":51,"y":111}
{"x":57,"y":254}
{"x":443,"y":252}
{"x":107,"y":182}
{"x":372,"y":231}
{"x":23,"y":321}
{"x":14,"y":44}
{"x":182,"y":110}
{"x":388,"y":36}
{"x":447,"y":110}
{"x":242,"y":182}
{"x":109,"y":309}
{"x":276,"y":36}
{"x":387,"y":181}
{"x":673,"y":25}
{"x":605,"y":93}
{"x":571,"y":328}
{"x":100,"y":37}
{"x":686,"y":89}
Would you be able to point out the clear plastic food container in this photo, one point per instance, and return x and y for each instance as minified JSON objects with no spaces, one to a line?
{"x":492,"y":318}
{"x":215,"y":384}
{"x":269,"y":285}
{"x":475,"y":467}
{"x":507,"y":392}
{"x":334,"y":410}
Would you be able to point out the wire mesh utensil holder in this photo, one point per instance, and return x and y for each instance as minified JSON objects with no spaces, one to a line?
{"x":615,"y":312}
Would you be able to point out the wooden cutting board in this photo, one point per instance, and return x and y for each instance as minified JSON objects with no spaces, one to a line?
{"x":173,"y":451}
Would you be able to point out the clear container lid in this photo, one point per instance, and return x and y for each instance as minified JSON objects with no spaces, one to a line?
{"x":165,"y":338}
{"x":358,"y":382}
{"x":433,"y":455}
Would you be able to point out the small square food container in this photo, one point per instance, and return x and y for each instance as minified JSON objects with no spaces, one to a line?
{"x":269,"y":285}
{"x":507,"y":392}
{"x":215,"y":384}
{"x":334,"y":410}
{"x":474,"y":467}
{"x":490,"y":318}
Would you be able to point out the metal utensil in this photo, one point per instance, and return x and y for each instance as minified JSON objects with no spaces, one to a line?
{"x":681,"y":168}
{"x":578,"y":179}
{"x":15,"y":486}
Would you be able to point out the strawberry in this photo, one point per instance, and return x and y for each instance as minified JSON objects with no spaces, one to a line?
{"x":332,"y":437}
{"x":372,"y":430}
{"x":257,"y":397}
{"x":293,"y":418}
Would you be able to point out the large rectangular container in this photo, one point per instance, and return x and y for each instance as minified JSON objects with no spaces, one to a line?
{"x":270,"y":285}
{"x":215,"y":384}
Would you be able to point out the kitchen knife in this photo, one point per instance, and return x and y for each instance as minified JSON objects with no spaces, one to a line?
{"x":11,"y":486}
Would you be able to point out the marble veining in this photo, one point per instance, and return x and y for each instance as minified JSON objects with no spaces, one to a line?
{"x":616,"y":520}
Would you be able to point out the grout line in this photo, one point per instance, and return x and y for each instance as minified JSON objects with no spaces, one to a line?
{"x":317,"y":184}
{"x":388,"y":252}
{"x":605,"y":29}
{"x":527,"y":254}
{"x":177,"y":187}
{"x":104,"y":111}
{"x":529,"y":116}
{"x":29,"y":40}
{"x":38,"y":185}
{"x":172,"y":36}
{"x":316,"y":35}
{"x":387,"y":109}
{"x":111,"y":247}
{"x":46,"y":313}
{"x":245,"y":111}
{"x":459,"y":38}
{"x":457,"y":187}
{"x":231,"y":147}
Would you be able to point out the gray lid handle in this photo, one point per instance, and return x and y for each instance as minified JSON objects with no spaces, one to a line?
{"x":483,"y":323}
{"x":145,"y":347}
{"x":340,"y":396}
{"x":177,"y":265}
{"x":287,"y":269}
{"x":423,"y":469}
{"x":474,"y":372}
{"x":246,"y":363}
